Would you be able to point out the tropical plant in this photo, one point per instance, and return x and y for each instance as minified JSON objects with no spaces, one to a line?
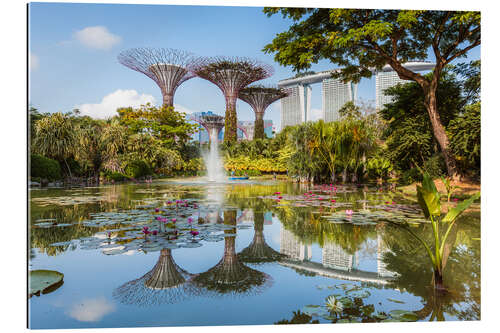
{"x":55,"y":138}
{"x":44,"y":167}
{"x":429,"y":201}
{"x":449,"y":187}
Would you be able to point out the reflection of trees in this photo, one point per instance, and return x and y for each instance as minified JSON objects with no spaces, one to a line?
{"x":258,"y":251}
{"x":165,"y":283}
{"x":462,"y":271}
{"x":230,"y":275}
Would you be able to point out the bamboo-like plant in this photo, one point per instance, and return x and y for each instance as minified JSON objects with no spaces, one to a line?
{"x":429,"y":200}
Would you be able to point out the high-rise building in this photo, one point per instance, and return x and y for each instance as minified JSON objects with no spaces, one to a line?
{"x":335,"y":94}
{"x":296,"y":107}
{"x":387,"y":78}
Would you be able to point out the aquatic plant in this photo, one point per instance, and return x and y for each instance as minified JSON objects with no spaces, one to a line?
{"x":430,"y":202}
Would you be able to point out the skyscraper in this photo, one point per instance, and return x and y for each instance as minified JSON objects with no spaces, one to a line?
{"x":296,"y":107}
{"x":335,"y":95}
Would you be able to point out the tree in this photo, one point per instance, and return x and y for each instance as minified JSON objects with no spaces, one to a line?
{"x":362,"y":40}
{"x":165,"y":124}
{"x":408,"y":130}
{"x":55,"y":138}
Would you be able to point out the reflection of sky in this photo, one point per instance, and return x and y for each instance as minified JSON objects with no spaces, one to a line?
{"x":91,"y":309}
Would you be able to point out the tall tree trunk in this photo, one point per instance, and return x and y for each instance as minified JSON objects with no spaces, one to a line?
{"x":438,"y":130}
{"x":231,"y":121}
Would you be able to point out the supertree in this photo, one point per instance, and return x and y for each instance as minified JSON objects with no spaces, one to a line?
{"x":212,"y":123}
{"x":230,"y":275}
{"x":169,"y":68}
{"x":231,"y":74}
{"x":258,"y":251}
{"x":165,"y":283}
{"x":259,"y":98}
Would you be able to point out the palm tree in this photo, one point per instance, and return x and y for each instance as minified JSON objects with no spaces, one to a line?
{"x":55,"y":138}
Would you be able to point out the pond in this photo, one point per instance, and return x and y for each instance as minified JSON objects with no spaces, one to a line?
{"x":189,"y":253}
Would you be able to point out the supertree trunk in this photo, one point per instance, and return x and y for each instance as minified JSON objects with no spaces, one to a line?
{"x":258,"y":251}
{"x":166,"y":273}
{"x":231,"y":120}
{"x":168,"y":100}
{"x":259,"y":126}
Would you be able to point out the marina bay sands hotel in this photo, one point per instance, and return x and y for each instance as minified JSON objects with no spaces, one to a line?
{"x":296,"y":107}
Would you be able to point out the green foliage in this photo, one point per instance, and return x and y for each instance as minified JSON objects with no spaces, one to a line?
{"x":378,"y":168}
{"x":45,"y":168}
{"x":114,"y":176}
{"x":465,"y":139}
{"x":137,"y":169}
{"x":164,"y":124}
{"x":360,"y":39}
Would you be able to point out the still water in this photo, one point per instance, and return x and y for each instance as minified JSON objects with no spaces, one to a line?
{"x":241,"y":253}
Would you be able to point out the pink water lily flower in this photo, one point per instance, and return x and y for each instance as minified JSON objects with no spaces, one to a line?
{"x":455,"y":199}
{"x":173,"y":220}
{"x":194,"y":233}
{"x":154,"y":232}
{"x":145,"y":230}
{"x":157,"y":210}
{"x":190,"y":219}
{"x":333,"y":200}
{"x":277,"y":193}
{"x":348,"y":212}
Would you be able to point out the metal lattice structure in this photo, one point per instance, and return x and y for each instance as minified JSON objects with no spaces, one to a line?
{"x":258,"y":251}
{"x":230,"y":276}
{"x":166,"y":283}
{"x":169,"y":68}
{"x":210,"y":122}
{"x":231,"y":75}
{"x":259,"y":98}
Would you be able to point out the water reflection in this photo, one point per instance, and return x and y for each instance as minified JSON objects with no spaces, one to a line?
{"x":230,"y":275}
{"x":165,"y":283}
{"x":378,"y":258}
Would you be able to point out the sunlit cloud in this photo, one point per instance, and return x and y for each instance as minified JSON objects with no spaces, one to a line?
{"x":117,"y":99}
{"x":91,"y":309}
{"x":97,"y":37}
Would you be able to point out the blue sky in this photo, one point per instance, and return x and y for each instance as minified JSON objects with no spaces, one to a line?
{"x":73,"y":50}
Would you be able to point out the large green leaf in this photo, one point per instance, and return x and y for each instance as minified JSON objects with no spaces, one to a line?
{"x":454,"y":212}
{"x":44,"y":281}
{"x":428,"y":201}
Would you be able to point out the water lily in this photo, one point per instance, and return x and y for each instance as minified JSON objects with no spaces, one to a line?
{"x":190,"y":220}
{"x":348,"y":212}
{"x":333,"y":200}
{"x":194,"y":233}
{"x":334,"y":305}
{"x":154,"y":232}
{"x":173,"y":220}
{"x":277,"y":193}
{"x":455,"y":199}
{"x":157,"y":210}
{"x":280,"y":197}
{"x":145,"y":231}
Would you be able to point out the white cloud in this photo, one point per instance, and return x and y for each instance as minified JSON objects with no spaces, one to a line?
{"x":97,"y":37}
{"x":34,"y":62}
{"x":91,"y":310}
{"x":316,"y":114}
{"x":119,"y":98}
{"x":181,"y":108}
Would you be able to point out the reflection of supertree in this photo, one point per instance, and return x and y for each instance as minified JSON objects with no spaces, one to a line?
{"x":230,"y":275}
{"x":258,"y":251}
{"x":231,"y":75}
{"x":165,"y":283}
{"x":169,"y":68}
{"x":259,"y":98}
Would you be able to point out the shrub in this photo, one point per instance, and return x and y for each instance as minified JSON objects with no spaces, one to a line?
{"x":115,"y":176}
{"x":43,"y":167}
{"x":137,"y":169}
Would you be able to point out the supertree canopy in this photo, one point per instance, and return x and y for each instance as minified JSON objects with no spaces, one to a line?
{"x":258,"y":251}
{"x":169,"y":68}
{"x":230,"y":275}
{"x":165,"y":283}
{"x":231,"y":74}
{"x":259,"y":98}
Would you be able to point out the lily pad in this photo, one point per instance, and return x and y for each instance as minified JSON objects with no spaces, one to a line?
{"x":44,"y":281}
